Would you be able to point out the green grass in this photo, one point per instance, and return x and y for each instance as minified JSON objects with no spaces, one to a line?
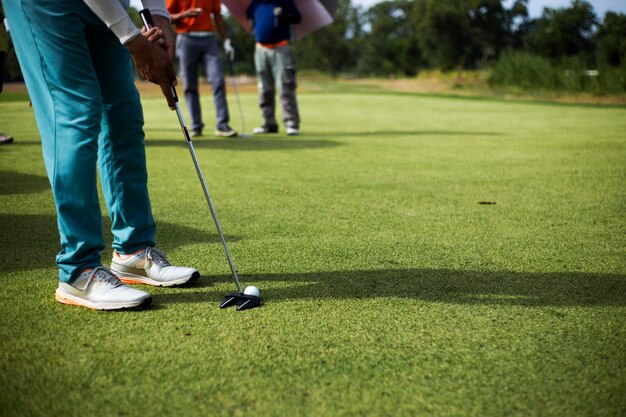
{"x":388,"y":290}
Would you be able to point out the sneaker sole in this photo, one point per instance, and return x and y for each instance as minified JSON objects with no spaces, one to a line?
{"x":66,"y":298}
{"x":128,"y":278}
{"x":226,"y":135}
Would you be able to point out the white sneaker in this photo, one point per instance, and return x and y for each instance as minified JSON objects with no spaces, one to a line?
{"x":265,"y":129}
{"x":99,"y":289}
{"x":227,"y":132}
{"x":149,"y":266}
{"x":293,"y":131}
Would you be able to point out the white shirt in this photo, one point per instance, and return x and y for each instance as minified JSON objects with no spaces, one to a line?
{"x":113,"y":13}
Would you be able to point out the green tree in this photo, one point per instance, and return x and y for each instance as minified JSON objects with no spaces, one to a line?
{"x":391,"y":45}
{"x":335,"y":48}
{"x":564,"y":32}
{"x":611,"y":39}
{"x":465,"y":33}
{"x":493,"y":27}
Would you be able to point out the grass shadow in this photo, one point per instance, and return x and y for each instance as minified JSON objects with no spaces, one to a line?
{"x":405,"y":133}
{"x":576,"y":289}
{"x":23,"y":142}
{"x":18,"y":183}
{"x":255,"y":144}
{"x":39,"y":240}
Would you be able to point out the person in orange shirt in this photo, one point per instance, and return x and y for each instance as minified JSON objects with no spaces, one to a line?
{"x":196,"y":22}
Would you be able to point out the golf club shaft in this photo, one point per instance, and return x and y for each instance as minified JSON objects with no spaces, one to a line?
{"x":232,"y":73}
{"x":148,"y":23}
{"x":208,"y":196}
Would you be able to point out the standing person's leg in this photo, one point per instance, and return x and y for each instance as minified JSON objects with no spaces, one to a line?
{"x":285,"y":73}
{"x":267,"y":91}
{"x":189,"y":57}
{"x":121,"y":157}
{"x":63,"y":88}
{"x":215,"y":75}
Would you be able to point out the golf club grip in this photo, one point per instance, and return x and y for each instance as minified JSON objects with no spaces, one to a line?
{"x":148,"y":22}
{"x":146,"y":18}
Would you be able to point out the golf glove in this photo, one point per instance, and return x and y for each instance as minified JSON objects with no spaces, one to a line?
{"x":229,"y":50}
{"x":278,"y":13}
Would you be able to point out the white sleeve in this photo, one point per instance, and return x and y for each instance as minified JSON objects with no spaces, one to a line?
{"x":115,"y":17}
{"x":156,"y":7}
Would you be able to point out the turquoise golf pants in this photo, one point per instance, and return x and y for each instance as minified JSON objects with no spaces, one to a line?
{"x":89,"y":116}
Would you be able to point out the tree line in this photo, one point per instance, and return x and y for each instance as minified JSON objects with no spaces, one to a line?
{"x":569,"y":48}
{"x":400,"y":38}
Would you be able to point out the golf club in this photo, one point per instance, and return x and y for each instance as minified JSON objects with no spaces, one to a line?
{"x":243,"y":299}
{"x":243,"y":123}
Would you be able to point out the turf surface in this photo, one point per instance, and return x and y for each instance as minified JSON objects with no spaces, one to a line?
{"x":388,"y":289}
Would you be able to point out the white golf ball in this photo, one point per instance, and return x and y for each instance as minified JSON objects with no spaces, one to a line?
{"x":252,"y":290}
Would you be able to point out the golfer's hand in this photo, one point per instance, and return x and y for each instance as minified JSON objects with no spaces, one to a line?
{"x":154,"y":35}
{"x":192,"y":12}
{"x":166,"y":33}
{"x":154,"y":65}
{"x":229,"y":50}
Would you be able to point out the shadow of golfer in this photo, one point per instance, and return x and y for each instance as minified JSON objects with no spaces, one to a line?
{"x":30,"y":241}
{"x":434,"y":285}
{"x":397,"y":133}
{"x":255,"y":144}
{"x":18,"y":183}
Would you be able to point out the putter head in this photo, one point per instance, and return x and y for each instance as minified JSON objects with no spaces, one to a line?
{"x":241,"y":300}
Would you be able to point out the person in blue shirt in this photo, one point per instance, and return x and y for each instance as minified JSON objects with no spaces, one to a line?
{"x":274,"y":62}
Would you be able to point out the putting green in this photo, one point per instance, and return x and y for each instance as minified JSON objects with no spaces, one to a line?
{"x":388,"y":289}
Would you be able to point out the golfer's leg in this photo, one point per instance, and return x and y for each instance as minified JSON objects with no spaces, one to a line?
{"x":63,"y":88}
{"x":122,"y":157}
{"x":266,"y":87}
{"x":285,"y":68}
{"x":215,"y":75}
{"x":189,"y":59}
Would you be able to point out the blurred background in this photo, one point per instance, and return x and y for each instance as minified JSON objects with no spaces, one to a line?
{"x":520,"y":45}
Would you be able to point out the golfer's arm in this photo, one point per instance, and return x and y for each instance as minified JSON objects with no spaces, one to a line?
{"x":292,"y":14}
{"x":177,"y":16}
{"x":220,"y":26}
{"x":116,"y":18}
{"x":294,"y":18}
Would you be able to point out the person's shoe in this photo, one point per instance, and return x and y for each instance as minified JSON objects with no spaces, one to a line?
{"x":100,"y":289}
{"x":5,"y":140}
{"x":265,"y":129}
{"x":195,"y":133}
{"x":227,"y":132}
{"x":293,"y":131}
{"x":149,"y":266}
